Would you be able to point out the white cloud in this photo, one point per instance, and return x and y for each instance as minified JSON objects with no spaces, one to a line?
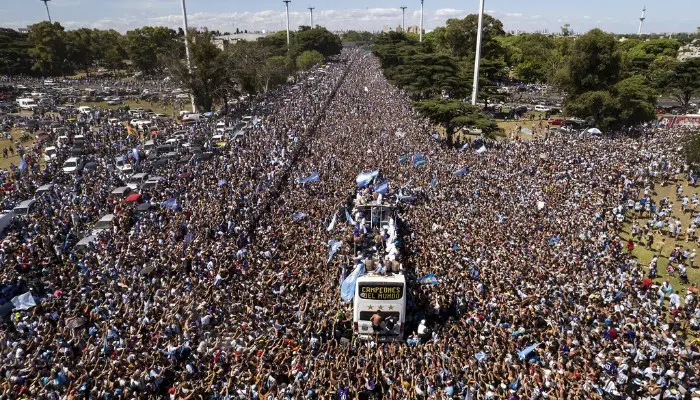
{"x":586,"y":17}
{"x":514,"y":15}
{"x":449,"y":13}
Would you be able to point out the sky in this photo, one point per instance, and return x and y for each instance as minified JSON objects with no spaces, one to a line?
{"x":619,"y":16}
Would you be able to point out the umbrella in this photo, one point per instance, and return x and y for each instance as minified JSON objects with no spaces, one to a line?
{"x":594,"y":131}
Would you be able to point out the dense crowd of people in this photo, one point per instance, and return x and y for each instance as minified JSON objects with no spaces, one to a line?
{"x":223,"y":289}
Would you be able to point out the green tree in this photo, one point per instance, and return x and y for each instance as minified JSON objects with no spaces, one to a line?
{"x":318,"y":39}
{"x":454,"y":114}
{"x":308,"y":59}
{"x":684,"y":82}
{"x":458,"y":37}
{"x":592,"y":64}
{"x":427,"y":75}
{"x":14,"y":53}
{"x":149,"y":47}
{"x":81,"y":48}
{"x":209,"y":80}
{"x":49,"y":49}
{"x":109,"y":49}
{"x":636,"y":100}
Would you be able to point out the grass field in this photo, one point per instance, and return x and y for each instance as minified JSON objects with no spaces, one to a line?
{"x":644,"y":255}
{"x":6,"y":162}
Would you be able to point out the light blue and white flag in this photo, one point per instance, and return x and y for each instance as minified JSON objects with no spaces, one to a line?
{"x":382,"y":188}
{"x":418,"y":160}
{"x":221,"y":182}
{"x":365,"y":178}
{"x":403,"y":159}
{"x":171,"y":204}
{"x":429,"y":279}
{"x":311,"y":178}
{"x":466,"y":146}
{"x":480,"y":356}
{"x":404,"y":197}
{"x":23,"y":301}
{"x":481,"y":149}
{"x":349,"y":218}
{"x":433,"y":183}
{"x":461,"y":171}
{"x":135,"y":153}
{"x":347,"y":288}
{"x":332,"y":224}
{"x":22,"y":164}
{"x":522,"y":354}
{"x":298,"y":216}
{"x":333,"y":245}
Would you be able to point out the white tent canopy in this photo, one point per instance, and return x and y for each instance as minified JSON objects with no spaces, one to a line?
{"x":594,"y":131}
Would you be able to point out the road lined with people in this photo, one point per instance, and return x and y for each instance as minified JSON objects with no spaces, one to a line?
{"x":222,"y":287}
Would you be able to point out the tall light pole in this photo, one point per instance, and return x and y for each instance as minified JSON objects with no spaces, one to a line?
{"x":187,"y":50}
{"x":286,"y":3}
{"x":403,"y":19}
{"x":311,"y":9}
{"x":46,"y":3}
{"x":641,"y":20}
{"x":421,"y":22}
{"x":475,"y":91}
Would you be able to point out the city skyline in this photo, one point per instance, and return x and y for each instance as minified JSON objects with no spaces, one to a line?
{"x":538,"y":15}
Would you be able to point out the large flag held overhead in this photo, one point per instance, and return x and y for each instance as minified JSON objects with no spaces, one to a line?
{"x":382,"y":188}
{"x":461,"y":171}
{"x":347,"y":289}
{"x":429,"y":279}
{"x":466,"y":146}
{"x":349,"y":218}
{"x":365,"y":178}
{"x":22,"y":164}
{"x":418,"y":160}
{"x":334,"y":245}
{"x":23,"y":301}
{"x":522,"y":354}
{"x":403,"y":159}
{"x":332,"y":224}
{"x":171,"y":204}
{"x":298,"y":216}
{"x":311,"y":178}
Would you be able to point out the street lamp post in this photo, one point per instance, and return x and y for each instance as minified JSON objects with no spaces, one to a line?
{"x":477,"y":59}
{"x":187,"y":51}
{"x":403,"y":19}
{"x":311,"y":10}
{"x":421,"y":21}
{"x":46,"y":3}
{"x":286,"y":3}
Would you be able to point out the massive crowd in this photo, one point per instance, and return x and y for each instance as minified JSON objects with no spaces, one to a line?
{"x":227,"y":292}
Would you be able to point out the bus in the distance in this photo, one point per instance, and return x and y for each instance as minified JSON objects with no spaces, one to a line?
{"x":380,"y":298}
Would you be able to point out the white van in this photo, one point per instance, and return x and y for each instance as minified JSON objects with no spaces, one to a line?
{"x":149,"y":146}
{"x":6,"y":219}
{"x":105,"y":223}
{"x":24,"y":208}
{"x":27,"y":104}
{"x":541,"y":108}
{"x":84,"y":109}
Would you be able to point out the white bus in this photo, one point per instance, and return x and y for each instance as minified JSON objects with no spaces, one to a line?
{"x":379,"y":301}
{"x":384,"y":296}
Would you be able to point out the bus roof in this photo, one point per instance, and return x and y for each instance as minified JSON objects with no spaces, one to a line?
{"x":373,"y":277}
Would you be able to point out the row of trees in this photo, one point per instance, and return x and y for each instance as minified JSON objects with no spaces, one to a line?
{"x":607,"y":80}
{"x":243,"y":67}
{"x":250,"y":67}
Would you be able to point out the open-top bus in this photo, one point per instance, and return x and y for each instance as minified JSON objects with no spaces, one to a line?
{"x":379,"y":302}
